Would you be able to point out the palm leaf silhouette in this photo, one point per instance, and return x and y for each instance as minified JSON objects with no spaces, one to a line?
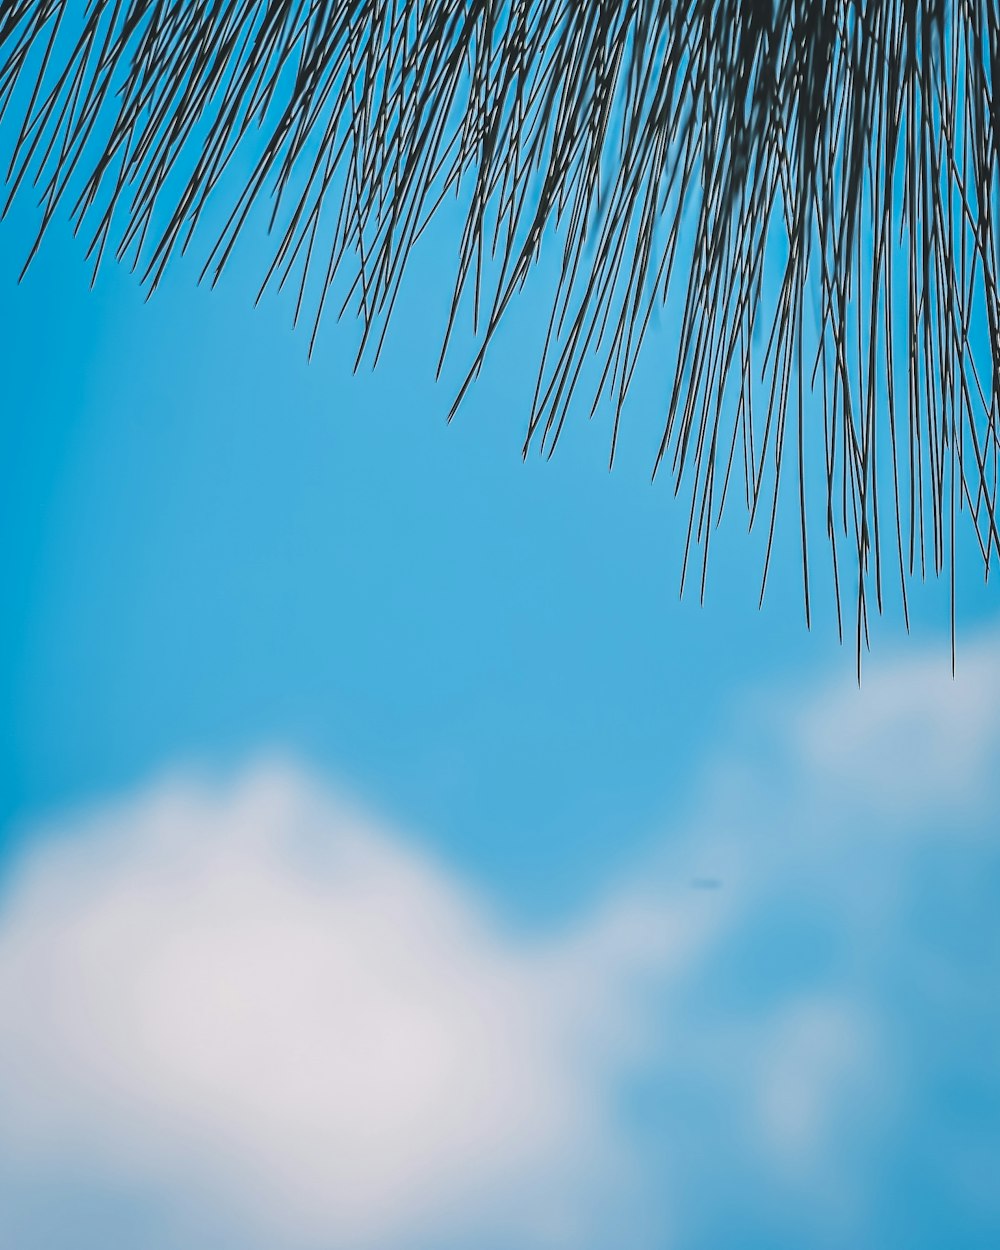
{"x":811,"y":184}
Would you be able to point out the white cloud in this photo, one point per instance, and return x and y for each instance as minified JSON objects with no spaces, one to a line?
{"x":258,"y":997}
{"x":817,"y":1054}
{"x":912,"y":737}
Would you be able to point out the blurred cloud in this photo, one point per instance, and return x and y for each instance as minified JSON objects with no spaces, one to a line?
{"x":913,"y":735}
{"x":817,"y":1050}
{"x":285,"y":1023}
{"x":259,"y":996}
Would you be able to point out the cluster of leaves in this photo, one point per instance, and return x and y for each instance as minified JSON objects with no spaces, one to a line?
{"x":809,"y":186}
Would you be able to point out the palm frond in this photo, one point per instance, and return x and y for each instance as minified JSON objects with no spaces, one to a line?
{"x":812,"y":185}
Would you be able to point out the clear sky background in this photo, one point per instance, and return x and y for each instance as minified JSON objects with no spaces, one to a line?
{"x":389,"y":858}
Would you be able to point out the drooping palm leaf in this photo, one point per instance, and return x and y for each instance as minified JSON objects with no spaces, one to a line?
{"x":810,"y":185}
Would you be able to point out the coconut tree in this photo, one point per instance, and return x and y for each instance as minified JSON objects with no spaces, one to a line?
{"x":808,"y":188}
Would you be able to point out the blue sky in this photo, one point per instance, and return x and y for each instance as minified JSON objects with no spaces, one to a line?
{"x":264,"y":606}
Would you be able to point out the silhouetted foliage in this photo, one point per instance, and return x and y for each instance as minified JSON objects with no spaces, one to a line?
{"x":812,"y":183}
